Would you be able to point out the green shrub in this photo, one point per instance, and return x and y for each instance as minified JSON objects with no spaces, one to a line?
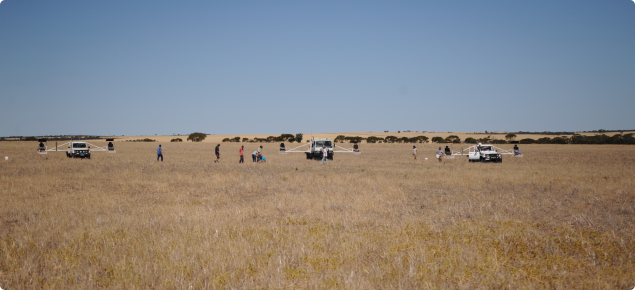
{"x":470,"y":140}
{"x":197,"y":137}
{"x":453,"y":139}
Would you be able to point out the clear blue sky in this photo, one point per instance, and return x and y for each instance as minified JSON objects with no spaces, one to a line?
{"x":239,"y":67}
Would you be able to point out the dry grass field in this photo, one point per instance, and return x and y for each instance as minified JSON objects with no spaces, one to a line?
{"x":561,"y":217}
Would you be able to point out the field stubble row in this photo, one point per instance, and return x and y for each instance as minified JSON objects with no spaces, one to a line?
{"x":560,"y":217}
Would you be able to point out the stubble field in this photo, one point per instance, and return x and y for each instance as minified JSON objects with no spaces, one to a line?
{"x":561,"y":217}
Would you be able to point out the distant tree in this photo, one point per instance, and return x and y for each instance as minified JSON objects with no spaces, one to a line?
{"x":176,"y":140}
{"x":196,"y":137}
{"x":390,"y":139}
{"x":227,"y":140}
{"x":510,"y":137}
{"x":558,"y":140}
{"x":285,"y":137}
{"x":339,"y":138}
{"x":30,"y":139}
{"x":453,"y":139}
{"x":402,"y":140}
{"x":355,"y":139}
{"x":149,"y":140}
{"x":528,"y":141}
{"x":298,"y":137}
{"x":245,"y":139}
{"x":470,"y":140}
{"x":422,"y":139}
{"x":438,"y":140}
{"x":372,"y":139}
{"x":236,"y":139}
{"x":544,"y":140}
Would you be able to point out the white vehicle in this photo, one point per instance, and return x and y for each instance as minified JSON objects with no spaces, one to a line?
{"x":75,"y":149}
{"x":483,"y":153}
{"x":316,"y":146}
{"x":78,"y":149}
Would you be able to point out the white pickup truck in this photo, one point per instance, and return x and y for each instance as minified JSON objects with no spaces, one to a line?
{"x":78,"y":150}
{"x":485,"y":153}
{"x":315,"y":151}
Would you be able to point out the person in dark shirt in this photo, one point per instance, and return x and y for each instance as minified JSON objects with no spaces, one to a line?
{"x":217,"y":152}
{"x":159,"y":153}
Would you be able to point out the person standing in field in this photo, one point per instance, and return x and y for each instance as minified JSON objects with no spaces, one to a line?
{"x":159,"y":153}
{"x":440,"y":154}
{"x":217,"y":152}
{"x":240,"y":151}
{"x":254,"y":156}
{"x":414,"y":151}
{"x":325,"y":154}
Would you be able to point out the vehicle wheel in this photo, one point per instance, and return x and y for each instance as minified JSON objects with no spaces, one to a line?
{"x":308,"y":156}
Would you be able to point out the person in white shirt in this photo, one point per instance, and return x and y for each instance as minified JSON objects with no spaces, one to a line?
{"x":254,"y":155}
{"x":325,"y":154}
{"x":440,"y":154}
{"x":414,"y":151}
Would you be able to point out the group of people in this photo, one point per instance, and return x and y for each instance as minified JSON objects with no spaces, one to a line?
{"x":256,"y":155}
{"x":439,"y":152}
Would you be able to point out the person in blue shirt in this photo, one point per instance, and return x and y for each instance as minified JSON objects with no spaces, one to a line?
{"x":217,"y":152}
{"x":159,"y":153}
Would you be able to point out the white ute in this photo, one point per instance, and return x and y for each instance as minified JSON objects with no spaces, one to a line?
{"x":315,"y":150}
{"x":484,"y":153}
{"x":78,"y":150}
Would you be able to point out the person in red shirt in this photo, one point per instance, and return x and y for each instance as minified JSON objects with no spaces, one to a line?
{"x":240,"y":151}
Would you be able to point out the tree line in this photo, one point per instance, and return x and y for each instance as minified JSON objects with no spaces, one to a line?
{"x":583,"y":139}
{"x":290,"y":138}
{"x":52,"y":138}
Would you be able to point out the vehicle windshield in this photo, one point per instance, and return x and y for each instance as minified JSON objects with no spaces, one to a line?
{"x":323,"y":143}
{"x":79,"y":145}
{"x":486,"y":148}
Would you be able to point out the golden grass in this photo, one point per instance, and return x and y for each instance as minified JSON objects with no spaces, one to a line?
{"x":561,"y":217}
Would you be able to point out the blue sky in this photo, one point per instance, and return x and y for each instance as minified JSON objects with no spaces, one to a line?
{"x":241,"y":67}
